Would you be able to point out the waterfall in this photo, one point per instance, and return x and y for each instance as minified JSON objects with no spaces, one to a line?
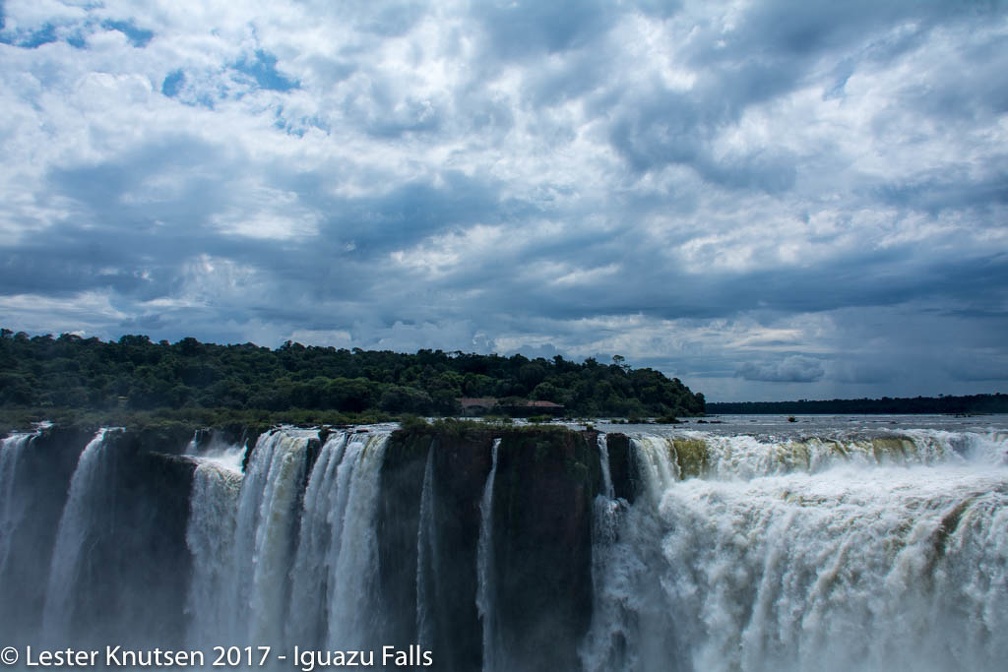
{"x":321,"y":522}
{"x":658,"y":464}
{"x":606,"y":513}
{"x":884,"y":569}
{"x":207,"y":446}
{"x":265,"y":534}
{"x":746,"y":457}
{"x":631,"y":628}
{"x":427,"y":557}
{"x":210,"y":538}
{"x":297,"y":568}
{"x":89,"y":498}
{"x":607,"y":485}
{"x":353,"y":553}
{"x":858,"y":550}
{"x":606,"y":520}
{"x":846,"y":553}
{"x":486,"y":594}
{"x":11,"y":509}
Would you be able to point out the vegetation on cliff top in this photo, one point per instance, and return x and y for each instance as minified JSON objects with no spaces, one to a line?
{"x":312,"y":384}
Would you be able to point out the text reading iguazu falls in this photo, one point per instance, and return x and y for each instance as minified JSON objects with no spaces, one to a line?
{"x":866,"y":543}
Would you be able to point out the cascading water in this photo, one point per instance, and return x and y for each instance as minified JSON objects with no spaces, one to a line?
{"x":862,"y":551}
{"x":351,"y":560}
{"x":608,"y":491}
{"x":842,"y":573}
{"x":335,"y":568}
{"x":11,"y":509}
{"x":321,"y":523}
{"x":87,"y":501}
{"x":265,"y":529}
{"x":606,"y":522}
{"x":210,"y":536}
{"x":631,"y":625}
{"x":278,"y":566}
{"x":867,"y":553}
{"x":486,"y":591}
{"x":605,"y":519}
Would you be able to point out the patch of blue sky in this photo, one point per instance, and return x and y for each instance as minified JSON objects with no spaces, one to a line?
{"x":262,"y":69}
{"x":31,"y":39}
{"x":138,"y":37}
{"x":282,"y":124}
{"x":173,"y":83}
{"x":175,"y":86}
{"x":77,"y":40}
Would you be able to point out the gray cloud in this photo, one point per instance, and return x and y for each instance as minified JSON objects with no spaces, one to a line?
{"x":793,"y":369}
{"x":805,"y":195}
{"x":528,"y":28}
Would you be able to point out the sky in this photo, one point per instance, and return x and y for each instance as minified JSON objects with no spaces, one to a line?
{"x":766,"y":199}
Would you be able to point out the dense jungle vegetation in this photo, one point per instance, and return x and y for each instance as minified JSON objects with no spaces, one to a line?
{"x":298,"y":381}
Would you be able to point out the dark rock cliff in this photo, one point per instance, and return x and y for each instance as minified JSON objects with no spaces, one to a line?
{"x":133,"y":576}
{"x":546,"y":479}
{"x":40,"y":492}
{"x":133,"y":566}
{"x":542,"y":533}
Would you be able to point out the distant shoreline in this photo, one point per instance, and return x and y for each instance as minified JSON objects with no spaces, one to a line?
{"x":975,"y":404}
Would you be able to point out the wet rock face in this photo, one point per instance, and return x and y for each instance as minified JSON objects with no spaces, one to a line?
{"x":134,"y":565}
{"x":542,"y":550}
{"x":460,"y":463}
{"x":137,"y":568}
{"x":541,"y":542}
{"x":40,"y":492}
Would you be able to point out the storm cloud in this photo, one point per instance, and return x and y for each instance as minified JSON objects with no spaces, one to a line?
{"x":793,"y":369}
{"x":767,"y":200}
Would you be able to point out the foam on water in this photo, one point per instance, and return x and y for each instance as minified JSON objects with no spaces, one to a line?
{"x":841,"y":553}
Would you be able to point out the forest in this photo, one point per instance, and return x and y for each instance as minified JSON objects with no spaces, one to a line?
{"x":289,"y":382}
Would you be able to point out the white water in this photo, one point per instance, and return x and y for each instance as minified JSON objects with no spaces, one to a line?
{"x":839,"y":555}
{"x":608,"y":516}
{"x":631,"y":625}
{"x":11,"y":510}
{"x":210,"y":536}
{"x":607,"y":485}
{"x":310,"y":576}
{"x":266,"y":525}
{"x":295,"y":569}
{"x":656,"y":461}
{"x":216,"y":450}
{"x":85,"y":503}
{"x":352,"y":559}
{"x":845,"y":552}
{"x":486,"y":596}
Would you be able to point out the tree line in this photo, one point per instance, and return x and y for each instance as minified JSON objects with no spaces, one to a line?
{"x":137,"y":373}
{"x":945,"y":404}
